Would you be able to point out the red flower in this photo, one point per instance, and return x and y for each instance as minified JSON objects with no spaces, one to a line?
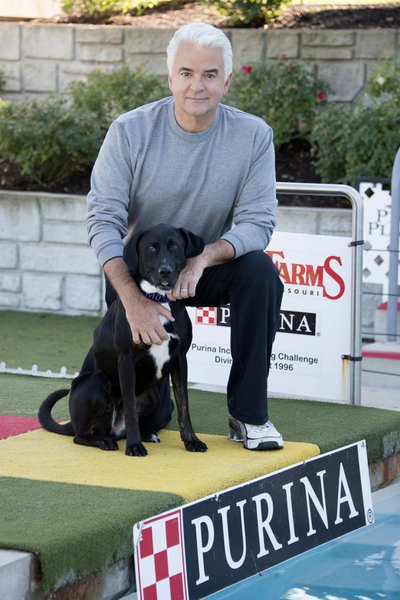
{"x":321,"y":95}
{"x":247,"y":68}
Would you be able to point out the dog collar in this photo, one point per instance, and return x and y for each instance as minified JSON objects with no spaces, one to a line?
{"x":156,"y":297}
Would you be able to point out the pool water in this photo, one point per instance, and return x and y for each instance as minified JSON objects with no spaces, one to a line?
{"x":363,"y":565}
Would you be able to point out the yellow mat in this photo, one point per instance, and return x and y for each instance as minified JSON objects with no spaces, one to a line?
{"x":168,"y":467}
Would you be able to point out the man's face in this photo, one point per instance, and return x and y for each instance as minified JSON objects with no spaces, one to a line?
{"x":198,"y":83}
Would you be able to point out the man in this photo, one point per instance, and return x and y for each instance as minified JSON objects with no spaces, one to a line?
{"x":192,"y":162}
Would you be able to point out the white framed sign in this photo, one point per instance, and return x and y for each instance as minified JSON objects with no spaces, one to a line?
{"x":314,"y":328}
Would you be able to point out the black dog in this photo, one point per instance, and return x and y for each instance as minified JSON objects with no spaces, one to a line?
{"x":117,"y":381}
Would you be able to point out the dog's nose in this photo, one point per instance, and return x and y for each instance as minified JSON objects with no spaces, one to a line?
{"x":165,"y":270}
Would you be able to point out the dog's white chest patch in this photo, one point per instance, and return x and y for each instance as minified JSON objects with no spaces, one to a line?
{"x":160,"y":354}
{"x":118,"y":423}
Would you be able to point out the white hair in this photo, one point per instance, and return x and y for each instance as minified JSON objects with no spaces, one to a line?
{"x":201,"y":34}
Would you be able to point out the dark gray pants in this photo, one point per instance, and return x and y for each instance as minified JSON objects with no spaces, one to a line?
{"x":252,"y":287}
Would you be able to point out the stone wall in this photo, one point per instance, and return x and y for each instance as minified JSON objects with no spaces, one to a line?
{"x":38,"y":59}
{"x":45,"y":261}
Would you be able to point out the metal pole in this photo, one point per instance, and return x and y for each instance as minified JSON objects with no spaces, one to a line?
{"x":319,"y":189}
{"x":394,"y":252}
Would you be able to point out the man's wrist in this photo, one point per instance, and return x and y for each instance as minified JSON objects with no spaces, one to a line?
{"x":120,"y":278}
{"x":218,"y":253}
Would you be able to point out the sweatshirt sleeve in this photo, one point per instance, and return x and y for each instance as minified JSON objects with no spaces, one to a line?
{"x":108,"y":199}
{"x":254,"y":212}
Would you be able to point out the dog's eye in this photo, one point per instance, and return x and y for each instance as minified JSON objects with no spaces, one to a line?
{"x":173,"y":246}
{"x":152,"y":248}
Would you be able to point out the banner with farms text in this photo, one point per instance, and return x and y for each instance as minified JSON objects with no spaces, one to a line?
{"x":314,"y":325}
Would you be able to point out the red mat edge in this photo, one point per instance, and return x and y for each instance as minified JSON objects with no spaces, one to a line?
{"x":11,"y":425}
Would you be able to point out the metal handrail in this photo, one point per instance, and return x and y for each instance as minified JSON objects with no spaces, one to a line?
{"x":321,"y":189}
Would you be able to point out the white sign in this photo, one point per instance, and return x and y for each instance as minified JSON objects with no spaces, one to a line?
{"x":314,"y":327}
{"x":377,"y":203}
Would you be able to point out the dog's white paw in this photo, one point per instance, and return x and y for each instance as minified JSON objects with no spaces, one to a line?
{"x":151,"y":437}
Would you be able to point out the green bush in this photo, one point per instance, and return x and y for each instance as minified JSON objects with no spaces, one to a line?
{"x":44,"y":139}
{"x":241,"y":12}
{"x":285,"y":94}
{"x":98,"y":9}
{"x":360,"y":140}
{"x":329,"y":136}
{"x":51,"y":140}
{"x":384,"y":82}
{"x":2,"y":81}
{"x":104,"y":96}
{"x":89,"y":7}
{"x":251,"y":13}
{"x":373,"y":143}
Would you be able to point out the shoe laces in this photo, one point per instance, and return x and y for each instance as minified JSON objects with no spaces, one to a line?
{"x":261,"y":428}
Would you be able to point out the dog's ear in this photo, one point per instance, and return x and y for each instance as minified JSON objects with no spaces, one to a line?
{"x":130,"y":252}
{"x":194,"y":243}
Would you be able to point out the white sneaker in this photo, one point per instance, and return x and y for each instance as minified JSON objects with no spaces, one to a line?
{"x":255,"y":437}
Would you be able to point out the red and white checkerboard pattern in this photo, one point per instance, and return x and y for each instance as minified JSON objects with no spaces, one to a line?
{"x":206,"y":315}
{"x":160,"y":561}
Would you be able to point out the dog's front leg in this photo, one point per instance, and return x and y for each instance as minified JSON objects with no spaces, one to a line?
{"x":127,"y":380}
{"x":179,"y":383}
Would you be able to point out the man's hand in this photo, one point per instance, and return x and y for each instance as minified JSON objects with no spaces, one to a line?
{"x":188,"y":278}
{"x":213,"y":254}
{"x":144,"y":316}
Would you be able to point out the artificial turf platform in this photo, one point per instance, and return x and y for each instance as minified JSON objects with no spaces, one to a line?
{"x":169,"y":468}
{"x":74,"y":507}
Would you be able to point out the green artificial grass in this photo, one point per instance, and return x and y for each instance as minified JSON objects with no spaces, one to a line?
{"x":22,"y":395}
{"x":75,"y":530}
{"x":325,"y":424}
{"x":49,"y":341}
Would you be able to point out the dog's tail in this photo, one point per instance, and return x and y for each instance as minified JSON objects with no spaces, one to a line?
{"x":47,"y":421}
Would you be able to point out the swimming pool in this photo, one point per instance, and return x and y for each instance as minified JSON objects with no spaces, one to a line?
{"x":363,"y":565}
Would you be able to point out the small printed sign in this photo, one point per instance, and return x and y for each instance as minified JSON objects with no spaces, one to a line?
{"x":377,"y":202}
{"x":207,"y":545}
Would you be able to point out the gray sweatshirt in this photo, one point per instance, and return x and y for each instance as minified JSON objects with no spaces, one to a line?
{"x":150,"y":171}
